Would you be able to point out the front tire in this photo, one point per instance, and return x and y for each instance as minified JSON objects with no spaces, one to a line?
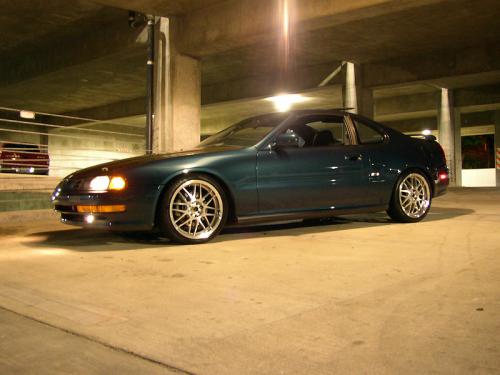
{"x":193,"y":210}
{"x":411,"y":198}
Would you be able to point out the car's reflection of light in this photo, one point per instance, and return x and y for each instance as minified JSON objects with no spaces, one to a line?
{"x":51,"y":252}
{"x":30,"y":254}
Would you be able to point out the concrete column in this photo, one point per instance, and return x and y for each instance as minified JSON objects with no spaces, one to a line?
{"x":177,"y":93}
{"x":356,"y":96}
{"x":350,"y":93}
{"x":458,"y":146}
{"x":447,"y":133}
{"x":497,"y":145}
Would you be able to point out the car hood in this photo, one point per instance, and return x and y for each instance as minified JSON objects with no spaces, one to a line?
{"x":124,"y":164}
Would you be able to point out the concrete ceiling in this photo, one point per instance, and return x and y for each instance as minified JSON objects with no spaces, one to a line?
{"x":61,"y":56}
{"x":26,"y":22}
{"x":161,"y":7}
{"x":424,"y":30}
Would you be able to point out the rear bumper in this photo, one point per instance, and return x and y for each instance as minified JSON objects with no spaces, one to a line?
{"x":441,"y":182}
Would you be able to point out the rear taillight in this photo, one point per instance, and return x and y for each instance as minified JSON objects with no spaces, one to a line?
{"x":443,"y":176}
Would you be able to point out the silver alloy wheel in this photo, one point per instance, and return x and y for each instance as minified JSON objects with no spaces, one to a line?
{"x":196,"y":209}
{"x":414,"y":195}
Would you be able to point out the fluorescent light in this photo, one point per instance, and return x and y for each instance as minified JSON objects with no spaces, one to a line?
{"x":284,"y":102}
{"x":426,"y":132}
{"x":27,"y":114}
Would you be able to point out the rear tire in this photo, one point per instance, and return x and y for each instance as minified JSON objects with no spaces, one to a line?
{"x":193,"y":210}
{"x":411,"y":198}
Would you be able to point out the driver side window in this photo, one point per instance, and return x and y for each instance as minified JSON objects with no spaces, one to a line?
{"x":321,"y":131}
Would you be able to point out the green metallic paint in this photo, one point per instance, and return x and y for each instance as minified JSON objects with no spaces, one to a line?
{"x":262,"y":181}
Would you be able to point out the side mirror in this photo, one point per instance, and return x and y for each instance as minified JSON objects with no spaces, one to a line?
{"x":286,"y":140}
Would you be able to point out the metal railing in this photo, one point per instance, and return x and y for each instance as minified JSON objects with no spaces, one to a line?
{"x":36,"y":152}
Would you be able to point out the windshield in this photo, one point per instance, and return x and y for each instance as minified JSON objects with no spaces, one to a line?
{"x":247,"y":132}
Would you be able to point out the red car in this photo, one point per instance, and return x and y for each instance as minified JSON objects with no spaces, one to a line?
{"x":23,"y":158}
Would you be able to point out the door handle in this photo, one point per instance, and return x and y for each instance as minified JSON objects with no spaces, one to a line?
{"x":354,"y":157}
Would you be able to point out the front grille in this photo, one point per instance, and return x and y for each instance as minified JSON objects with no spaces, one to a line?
{"x":62,"y":208}
{"x":70,"y":217}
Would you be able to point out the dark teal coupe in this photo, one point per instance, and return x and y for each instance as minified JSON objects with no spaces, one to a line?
{"x":274,"y":167}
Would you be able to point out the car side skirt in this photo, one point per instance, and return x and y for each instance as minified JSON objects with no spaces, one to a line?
{"x":243,"y":220}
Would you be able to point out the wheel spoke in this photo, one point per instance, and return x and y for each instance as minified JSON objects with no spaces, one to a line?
{"x":200,"y":220}
{"x":186,"y":222}
{"x":196,"y":209}
{"x":414,"y":195}
{"x":181,"y":203}
{"x":180,"y":218}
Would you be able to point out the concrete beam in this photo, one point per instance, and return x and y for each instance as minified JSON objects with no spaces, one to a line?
{"x":444,"y":69}
{"x":422,"y":105}
{"x":477,"y":119}
{"x":159,"y":7}
{"x":413,"y":125}
{"x":233,"y":24}
{"x":477,"y":99}
{"x":304,"y":78}
{"x":108,"y":112}
{"x":406,"y":107}
{"x":218,"y":116}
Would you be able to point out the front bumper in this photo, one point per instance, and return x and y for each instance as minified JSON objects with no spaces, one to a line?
{"x":139,"y":214}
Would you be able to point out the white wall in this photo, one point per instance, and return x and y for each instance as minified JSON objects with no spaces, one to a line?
{"x":479,"y":177}
{"x":71,"y":149}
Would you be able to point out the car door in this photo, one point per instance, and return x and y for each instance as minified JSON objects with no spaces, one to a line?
{"x":326,"y":171}
{"x":373,"y":142}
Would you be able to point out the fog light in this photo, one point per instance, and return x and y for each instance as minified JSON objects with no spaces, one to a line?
{"x":101,"y":209}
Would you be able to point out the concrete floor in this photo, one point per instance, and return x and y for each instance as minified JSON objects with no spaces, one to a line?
{"x":357,"y":295}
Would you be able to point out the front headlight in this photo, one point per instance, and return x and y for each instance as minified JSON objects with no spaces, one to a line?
{"x":105,"y":183}
{"x":99,"y":183}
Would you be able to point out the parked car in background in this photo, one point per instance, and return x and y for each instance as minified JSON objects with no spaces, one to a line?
{"x":280,"y":166}
{"x":23,"y":158}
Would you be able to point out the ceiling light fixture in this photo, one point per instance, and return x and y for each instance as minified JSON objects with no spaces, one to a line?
{"x":284,"y":102}
{"x":27,"y":114}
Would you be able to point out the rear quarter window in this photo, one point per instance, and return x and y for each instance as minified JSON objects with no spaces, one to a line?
{"x":367,"y":134}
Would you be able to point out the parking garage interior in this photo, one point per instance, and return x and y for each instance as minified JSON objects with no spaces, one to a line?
{"x":85,"y":82}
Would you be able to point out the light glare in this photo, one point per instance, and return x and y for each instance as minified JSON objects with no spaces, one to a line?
{"x":284,"y":102}
{"x":117,"y":183}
